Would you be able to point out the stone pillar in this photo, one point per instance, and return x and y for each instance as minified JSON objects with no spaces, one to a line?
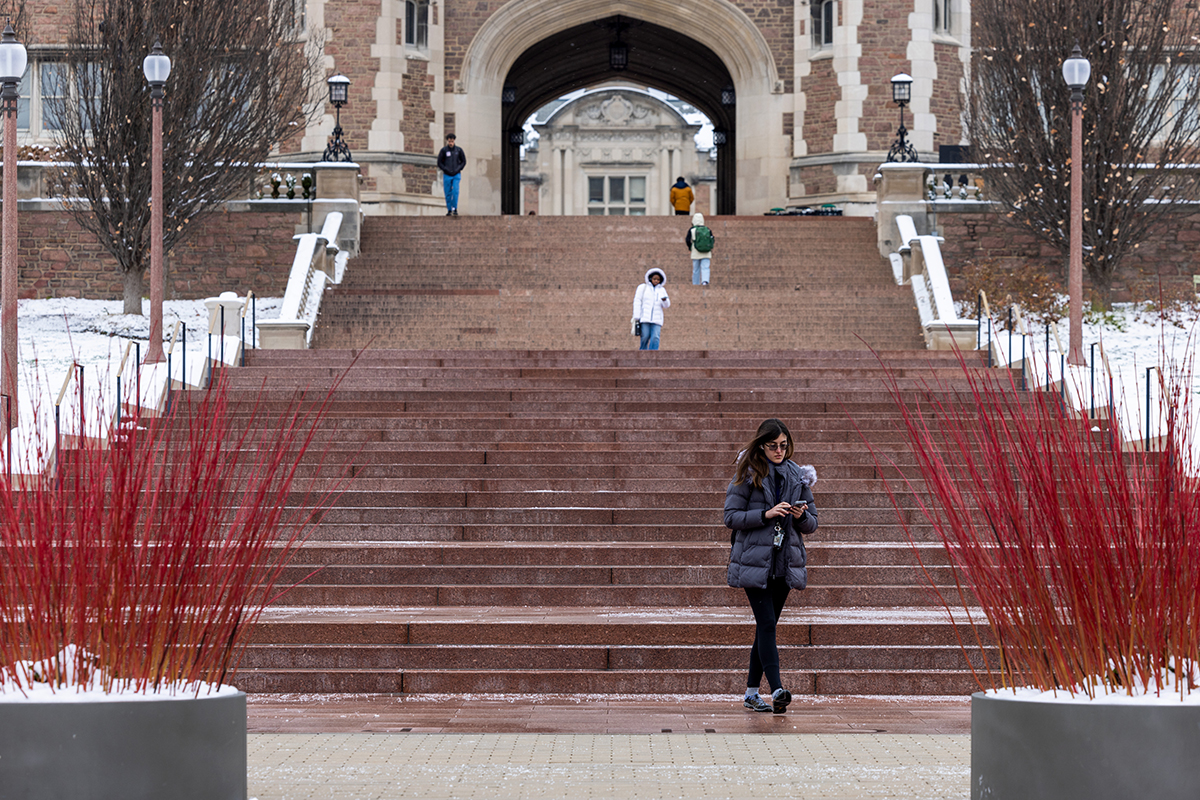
{"x":274,"y":334}
{"x":337,"y":187}
{"x":232,"y":305}
{"x":556,"y":176}
{"x":666,"y":178}
{"x":900,"y":189}
{"x":569,"y":181}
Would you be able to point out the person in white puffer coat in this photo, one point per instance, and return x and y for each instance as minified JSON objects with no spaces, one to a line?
{"x":648,"y":303}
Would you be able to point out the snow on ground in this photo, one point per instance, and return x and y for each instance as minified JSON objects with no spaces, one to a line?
{"x":57,"y":333}
{"x":1139,"y":340}
{"x":44,"y":693}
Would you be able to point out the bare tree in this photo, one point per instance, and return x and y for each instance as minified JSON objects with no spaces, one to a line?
{"x":1141,"y":117}
{"x":240,"y":83}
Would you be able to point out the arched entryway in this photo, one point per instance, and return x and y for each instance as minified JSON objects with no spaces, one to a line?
{"x":549,"y":47}
{"x":654,"y":56}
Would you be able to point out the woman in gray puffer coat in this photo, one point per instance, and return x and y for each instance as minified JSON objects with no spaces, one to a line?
{"x":768,"y":505}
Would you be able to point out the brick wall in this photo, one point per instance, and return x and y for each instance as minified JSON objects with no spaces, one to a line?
{"x":822,"y":93}
{"x":46,"y":21}
{"x":233,"y":251}
{"x":416,"y":94}
{"x":884,"y":36}
{"x":350,"y":46}
{"x":532,"y":197}
{"x":947,"y":101}
{"x":1171,"y":252}
{"x":818,"y":179}
{"x":775,"y":21}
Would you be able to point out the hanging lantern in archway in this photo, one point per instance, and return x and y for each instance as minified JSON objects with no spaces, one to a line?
{"x":618,"y":55}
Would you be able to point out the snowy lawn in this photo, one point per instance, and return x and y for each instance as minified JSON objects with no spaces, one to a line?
{"x":54,"y":334}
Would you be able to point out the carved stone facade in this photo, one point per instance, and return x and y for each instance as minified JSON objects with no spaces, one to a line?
{"x":613,"y":152}
{"x":800,"y":89}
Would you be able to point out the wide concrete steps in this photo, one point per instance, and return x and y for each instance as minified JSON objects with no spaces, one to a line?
{"x":520,"y":520}
{"x":603,"y":650}
{"x":568,"y":283}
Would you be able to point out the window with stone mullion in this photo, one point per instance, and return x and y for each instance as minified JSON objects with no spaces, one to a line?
{"x":416,"y":23}
{"x":824,"y":17}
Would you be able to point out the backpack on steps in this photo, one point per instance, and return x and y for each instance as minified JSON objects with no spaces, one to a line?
{"x":702,"y":239}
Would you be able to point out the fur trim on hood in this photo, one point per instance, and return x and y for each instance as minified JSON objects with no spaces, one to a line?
{"x":653,"y":270}
{"x":808,"y":475}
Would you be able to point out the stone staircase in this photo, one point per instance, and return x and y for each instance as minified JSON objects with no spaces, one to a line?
{"x":567,"y":283}
{"x":550,"y":521}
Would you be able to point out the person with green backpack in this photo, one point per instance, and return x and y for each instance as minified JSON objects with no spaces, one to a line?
{"x":700,"y":240}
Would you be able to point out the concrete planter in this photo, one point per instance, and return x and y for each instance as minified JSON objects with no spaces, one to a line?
{"x":1028,"y":750}
{"x":184,"y":749}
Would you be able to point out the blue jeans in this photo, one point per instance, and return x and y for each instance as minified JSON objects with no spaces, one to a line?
{"x":650,"y":336}
{"x":450,"y":187}
{"x":700,"y":270}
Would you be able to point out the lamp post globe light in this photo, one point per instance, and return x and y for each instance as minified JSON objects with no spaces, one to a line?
{"x":902,"y":149}
{"x":13,"y":59}
{"x":157,"y":68}
{"x":339,"y":94}
{"x":1076,"y":71}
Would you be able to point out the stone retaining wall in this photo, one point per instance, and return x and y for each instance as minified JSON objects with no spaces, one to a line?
{"x":974,"y":232}
{"x":248,"y":246}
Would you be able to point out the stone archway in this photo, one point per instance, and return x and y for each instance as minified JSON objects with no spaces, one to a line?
{"x":579,"y":57}
{"x":757,"y":170}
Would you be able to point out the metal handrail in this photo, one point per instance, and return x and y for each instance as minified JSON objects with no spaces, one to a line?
{"x":250,"y":305}
{"x":66,"y":383}
{"x":120,"y":372}
{"x":124,"y":358}
{"x":71,"y":372}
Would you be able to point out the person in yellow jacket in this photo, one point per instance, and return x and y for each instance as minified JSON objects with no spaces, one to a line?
{"x":681,"y":197}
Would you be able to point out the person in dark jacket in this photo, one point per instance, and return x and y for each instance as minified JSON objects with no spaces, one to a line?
{"x":451,"y":161}
{"x":768,"y":505}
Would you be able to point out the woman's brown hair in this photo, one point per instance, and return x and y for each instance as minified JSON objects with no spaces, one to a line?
{"x":751,"y":462}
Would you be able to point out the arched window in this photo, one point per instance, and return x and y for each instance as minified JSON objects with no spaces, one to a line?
{"x":824,"y":16}
{"x":941,"y":16}
{"x":416,"y":23}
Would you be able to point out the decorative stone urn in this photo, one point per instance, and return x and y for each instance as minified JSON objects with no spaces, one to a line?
{"x":144,"y":749}
{"x":1076,"y":750}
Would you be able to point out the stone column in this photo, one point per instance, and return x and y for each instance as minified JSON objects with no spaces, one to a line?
{"x":556,"y":187}
{"x":338,"y":190}
{"x":666,"y":178}
{"x":569,"y":181}
{"x":900,"y":189}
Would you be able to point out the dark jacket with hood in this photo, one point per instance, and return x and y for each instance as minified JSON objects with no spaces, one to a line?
{"x":753,"y":557}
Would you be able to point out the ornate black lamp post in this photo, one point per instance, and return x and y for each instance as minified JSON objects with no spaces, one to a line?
{"x":902,"y":149}
{"x":339,"y":93}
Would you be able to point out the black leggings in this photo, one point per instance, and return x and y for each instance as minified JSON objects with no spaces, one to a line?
{"x":767,"y":605}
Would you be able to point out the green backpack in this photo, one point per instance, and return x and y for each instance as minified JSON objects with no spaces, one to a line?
{"x":702,"y":239}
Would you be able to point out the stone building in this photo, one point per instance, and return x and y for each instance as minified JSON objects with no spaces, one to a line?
{"x":613,"y":152}
{"x":798,"y":90}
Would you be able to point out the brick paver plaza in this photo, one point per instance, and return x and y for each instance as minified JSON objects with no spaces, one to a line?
{"x":362,"y":747}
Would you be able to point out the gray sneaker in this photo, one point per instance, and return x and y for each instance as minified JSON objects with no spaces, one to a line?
{"x":756,"y":704}
{"x":780,"y":699}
